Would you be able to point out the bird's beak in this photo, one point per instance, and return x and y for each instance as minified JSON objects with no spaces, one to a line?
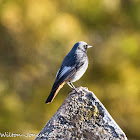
{"x":89,"y":46}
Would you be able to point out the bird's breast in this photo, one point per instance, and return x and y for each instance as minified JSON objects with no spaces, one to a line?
{"x":80,"y":72}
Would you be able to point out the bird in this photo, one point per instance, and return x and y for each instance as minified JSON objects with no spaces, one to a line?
{"x":72,"y":68}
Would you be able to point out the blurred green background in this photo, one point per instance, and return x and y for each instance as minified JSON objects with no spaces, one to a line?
{"x":35,"y":36}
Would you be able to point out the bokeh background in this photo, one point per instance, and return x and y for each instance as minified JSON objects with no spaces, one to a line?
{"x":35,"y":36}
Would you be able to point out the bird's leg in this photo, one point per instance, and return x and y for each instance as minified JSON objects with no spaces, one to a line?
{"x":72,"y":86}
{"x":69,"y":84}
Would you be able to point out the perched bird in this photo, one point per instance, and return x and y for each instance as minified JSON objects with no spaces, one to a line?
{"x":72,"y":68}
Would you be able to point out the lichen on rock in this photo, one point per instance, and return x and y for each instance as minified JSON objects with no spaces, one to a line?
{"x":81,"y":116}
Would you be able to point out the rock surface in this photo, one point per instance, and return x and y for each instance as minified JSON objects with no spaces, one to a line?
{"x":81,"y":116}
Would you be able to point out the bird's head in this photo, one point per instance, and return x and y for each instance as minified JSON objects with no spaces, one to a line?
{"x":81,"y":46}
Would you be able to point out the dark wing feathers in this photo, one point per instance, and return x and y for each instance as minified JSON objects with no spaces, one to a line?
{"x":58,"y":84}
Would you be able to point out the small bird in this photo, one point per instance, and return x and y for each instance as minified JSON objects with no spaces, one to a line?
{"x":72,"y":68}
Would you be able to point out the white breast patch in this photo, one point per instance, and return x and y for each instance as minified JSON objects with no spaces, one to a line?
{"x":80,"y":72}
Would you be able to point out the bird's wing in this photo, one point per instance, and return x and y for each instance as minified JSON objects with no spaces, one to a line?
{"x":63,"y":75}
{"x":66,"y":72}
{"x":70,"y":65}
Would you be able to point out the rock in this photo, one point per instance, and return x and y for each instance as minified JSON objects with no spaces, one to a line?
{"x":81,"y":116}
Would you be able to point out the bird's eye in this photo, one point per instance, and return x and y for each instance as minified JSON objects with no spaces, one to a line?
{"x":85,"y":46}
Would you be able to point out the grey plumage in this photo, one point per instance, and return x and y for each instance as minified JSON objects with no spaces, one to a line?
{"x":72,"y":68}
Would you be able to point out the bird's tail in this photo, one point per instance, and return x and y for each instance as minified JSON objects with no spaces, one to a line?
{"x":54,"y":92}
